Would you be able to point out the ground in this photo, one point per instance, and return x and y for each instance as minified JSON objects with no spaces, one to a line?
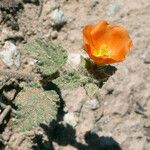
{"x":117,"y":116}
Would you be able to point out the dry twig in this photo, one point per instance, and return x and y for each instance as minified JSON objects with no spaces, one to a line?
{"x":4,"y":113}
{"x":4,"y":107}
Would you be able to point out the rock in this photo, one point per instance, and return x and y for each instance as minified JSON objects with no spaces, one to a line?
{"x":10,"y":54}
{"x":58,"y":19}
{"x":146,"y":57}
{"x":94,"y":104}
{"x":113,"y":9}
{"x":74,"y":59}
{"x":71,"y":119}
{"x":74,"y":99}
{"x":54,"y":35}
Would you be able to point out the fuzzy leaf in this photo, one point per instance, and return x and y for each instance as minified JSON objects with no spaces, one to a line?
{"x":71,"y":79}
{"x":49,"y":57}
{"x":36,"y":107}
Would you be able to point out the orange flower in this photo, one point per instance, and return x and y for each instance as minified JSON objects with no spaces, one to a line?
{"x":106,"y":43}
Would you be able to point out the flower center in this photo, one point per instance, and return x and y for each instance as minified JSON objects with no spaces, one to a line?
{"x":103,"y":51}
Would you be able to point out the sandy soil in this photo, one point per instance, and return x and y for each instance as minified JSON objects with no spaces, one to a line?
{"x":121,"y":117}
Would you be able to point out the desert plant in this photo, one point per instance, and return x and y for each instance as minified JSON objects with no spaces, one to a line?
{"x":50,"y":58}
{"x":36,"y":106}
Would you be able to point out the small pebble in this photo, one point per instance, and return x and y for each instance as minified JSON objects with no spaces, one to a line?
{"x":10,"y":54}
{"x":146,"y":57}
{"x":94,"y":104}
{"x":58,"y":18}
{"x":113,"y":9}
{"x":54,"y":35}
{"x":74,"y":59}
{"x":71,"y":119}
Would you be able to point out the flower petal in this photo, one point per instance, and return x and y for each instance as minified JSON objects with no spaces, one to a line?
{"x":87,"y":34}
{"x":87,"y":37}
{"x":115,"y":38}
{"x":98,"y":32}
{"x":120,"y":42}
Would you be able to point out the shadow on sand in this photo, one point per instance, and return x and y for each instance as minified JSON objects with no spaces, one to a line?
{"x":65,"y":135}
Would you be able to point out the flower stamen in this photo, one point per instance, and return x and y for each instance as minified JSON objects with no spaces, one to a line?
{"x":103,"y":51}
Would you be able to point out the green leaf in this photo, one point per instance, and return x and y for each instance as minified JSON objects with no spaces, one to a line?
{"x":37,"y":107}
{"x":71,"y":79}
{"x":50,"y":58}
